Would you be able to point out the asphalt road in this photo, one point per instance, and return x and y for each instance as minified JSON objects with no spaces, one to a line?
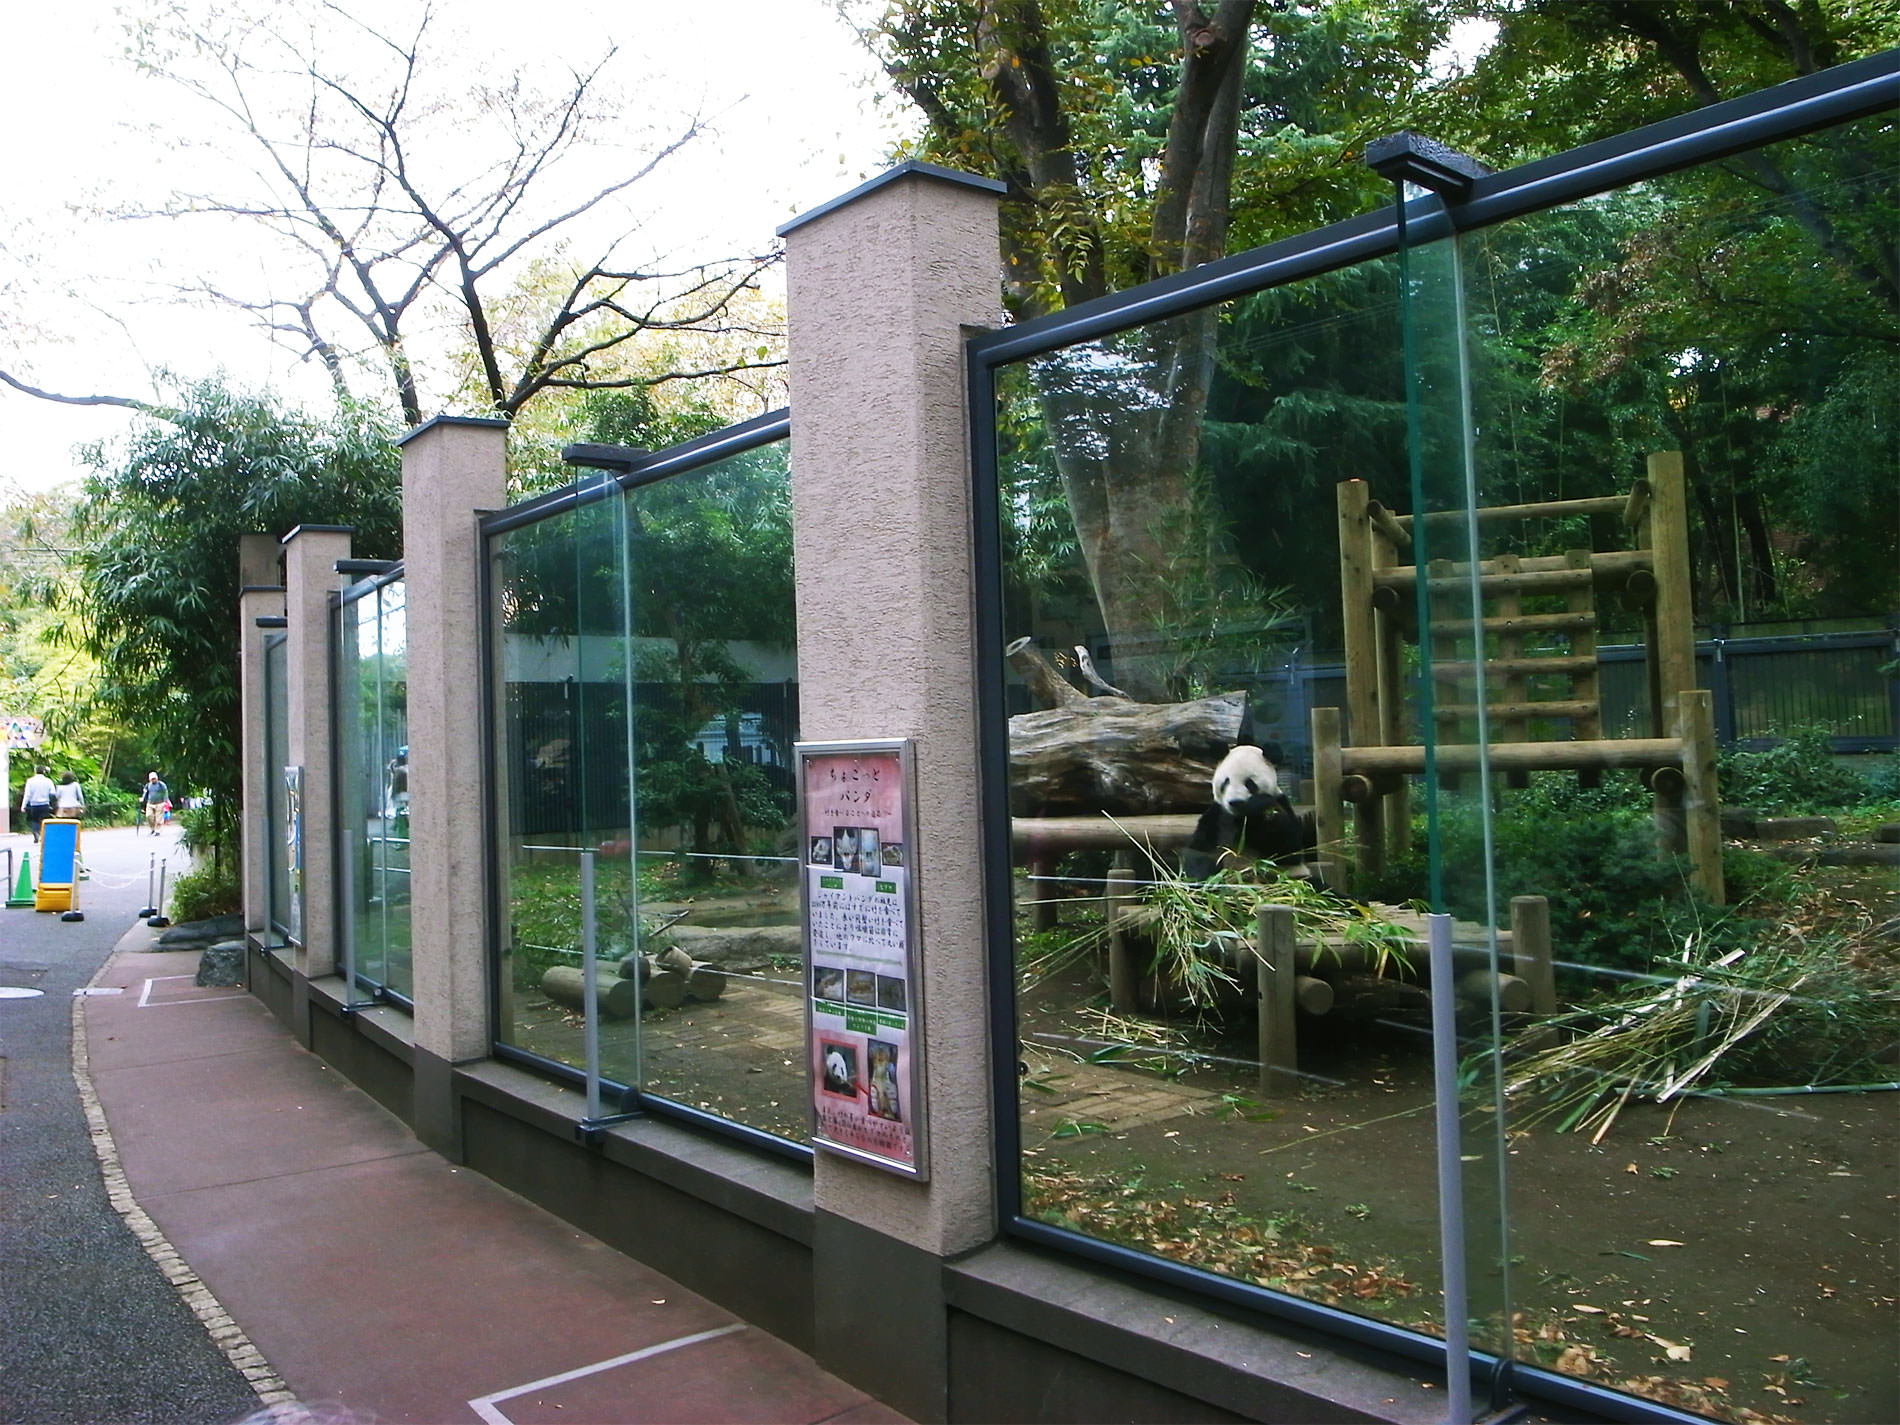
{"x":90,"y":1332}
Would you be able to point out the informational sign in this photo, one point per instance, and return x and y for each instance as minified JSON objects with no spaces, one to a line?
{"x":59,"y":865}
{"x":24,"y":732}
{"x":863,"y":1014}
{"x":293,"y":850}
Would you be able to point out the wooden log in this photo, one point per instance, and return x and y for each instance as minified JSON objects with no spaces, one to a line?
{"x":1544,"y":509}
{"x":1043,"y":838}
{"x":1046,"y":686}
{"x":705,"y":982}
{"x":1364,"y":995}
{"x":616,"y":997}
{"x":1533,"y":756}
{"x":1513,"y":994}
{"x":1123,"y":972}
{"x":1611,"y":568}
{"x":1110,"y":755}
{"x":1530,"y":951}
{"x":665,"y":989}
{"x":1312,"y":994}
{"x":675,"y":959}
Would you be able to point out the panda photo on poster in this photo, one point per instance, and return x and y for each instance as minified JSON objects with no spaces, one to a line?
{"x":861,"y":999}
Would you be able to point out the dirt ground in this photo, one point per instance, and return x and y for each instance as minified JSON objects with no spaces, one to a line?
{"x":1732,"y":1256}
{"x":1773,"y":1291}
{"x":1735,"y":1257}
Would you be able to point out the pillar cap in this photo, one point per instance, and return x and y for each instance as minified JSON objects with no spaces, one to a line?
{"x":318,"y":529}
{"x":911,"y":168}
{"x":479,"y":422}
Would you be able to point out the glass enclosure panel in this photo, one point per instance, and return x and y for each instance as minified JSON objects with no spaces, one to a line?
{"x":373,"y":784}
{"x":1224,"y":1041}
{"x":276,"y":758}
{"x":1431,"y":562}
{"x":1690,"y":386}
{"x":561,"y":782}
{"x":646,"y":706}
{"x":709,"y":558}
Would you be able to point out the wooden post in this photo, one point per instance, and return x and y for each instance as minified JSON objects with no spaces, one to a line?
{"x":1329,"y":807}
{"x":1672,"y":655}
{"x":1530,"y":951}
{"x":1356,"y":542}
{"x":1123,"y":974}
{"x":1701,"y":800}
{"x":1042,"y":894}
{"x":1279,"y":1048}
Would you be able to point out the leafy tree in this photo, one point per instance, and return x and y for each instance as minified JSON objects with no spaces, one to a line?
{"x":709,"y":560}
{"x":155,"y":563}
{"x":1133,"y":146}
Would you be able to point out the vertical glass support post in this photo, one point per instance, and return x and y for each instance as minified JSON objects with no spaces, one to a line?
{"x":1451,"y":1193}
{"x":590,"y":992}
{"x":346,"y":922}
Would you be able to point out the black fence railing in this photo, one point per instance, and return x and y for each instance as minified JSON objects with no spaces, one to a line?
{"x":1764,"y":687}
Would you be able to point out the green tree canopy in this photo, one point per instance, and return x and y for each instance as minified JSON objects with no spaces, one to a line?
{"x":156,"y":561}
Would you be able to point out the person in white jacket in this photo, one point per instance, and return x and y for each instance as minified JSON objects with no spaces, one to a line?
{"x":36,"y":800}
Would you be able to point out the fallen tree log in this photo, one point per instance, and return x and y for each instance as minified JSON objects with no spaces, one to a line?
{"x":566,"y":985}
{"x":1128,"y":759}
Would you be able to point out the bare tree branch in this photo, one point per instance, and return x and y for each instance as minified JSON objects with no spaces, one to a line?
{"x":130,"y":403}
{"x":343,"y":176}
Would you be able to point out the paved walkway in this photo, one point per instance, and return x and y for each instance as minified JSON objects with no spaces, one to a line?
{"x":342,"y":1265}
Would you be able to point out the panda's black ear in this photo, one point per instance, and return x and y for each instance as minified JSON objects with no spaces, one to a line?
{"x":1274,"y":752}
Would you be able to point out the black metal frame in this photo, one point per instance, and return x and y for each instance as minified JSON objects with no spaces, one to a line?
{"x":1801,"y":106}
{"x":636,"y":469}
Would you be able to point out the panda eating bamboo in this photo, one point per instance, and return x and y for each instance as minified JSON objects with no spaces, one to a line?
{"x":1251,"y":819}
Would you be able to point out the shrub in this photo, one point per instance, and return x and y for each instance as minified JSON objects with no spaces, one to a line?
{"x":1590,"y":851}
{"x":205,"y":891}
{"x":1800,"y":773}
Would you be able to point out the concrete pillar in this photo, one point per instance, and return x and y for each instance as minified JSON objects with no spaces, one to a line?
{"x":261,"y":595}
{"x":883,"y":284}
{"x":453,"y":468}
{"x":310,"y":555}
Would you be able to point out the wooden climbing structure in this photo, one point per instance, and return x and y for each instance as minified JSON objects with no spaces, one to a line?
{"x":1510,"y":644}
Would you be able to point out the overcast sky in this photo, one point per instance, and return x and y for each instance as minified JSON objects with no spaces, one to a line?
{"x":84,"y":300}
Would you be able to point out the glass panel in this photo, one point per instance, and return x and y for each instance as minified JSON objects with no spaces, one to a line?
{"x":387,"y":835}
{"x":561,"y":782}
{"x":709,"y":556}
{"x":1469,"y":616}
{"x":1226,"y":1064}
{"x":355,"y":645}
{"x":373,"y":778}
{"x":1699,"y":1214}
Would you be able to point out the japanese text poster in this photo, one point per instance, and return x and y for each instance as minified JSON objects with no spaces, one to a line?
{"x":861,"y":966}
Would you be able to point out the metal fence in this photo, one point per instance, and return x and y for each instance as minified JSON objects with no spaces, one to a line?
{"x":1763,"y":686}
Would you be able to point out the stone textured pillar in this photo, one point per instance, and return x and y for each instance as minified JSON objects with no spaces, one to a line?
{"x":453,"y":468}
{"x":310,"y":555}
{"x":883,"y":284}
{"x":261,"y":595}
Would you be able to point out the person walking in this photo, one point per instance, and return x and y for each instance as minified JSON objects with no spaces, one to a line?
{"x":69,"y":802}
{"x":156,"y":798}
{"x":36,"y":800}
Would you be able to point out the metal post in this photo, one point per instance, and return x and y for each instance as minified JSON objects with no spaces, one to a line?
{"x":590,"y":993}
{"x":347,"y":888}
{"x":1451,"y":1197}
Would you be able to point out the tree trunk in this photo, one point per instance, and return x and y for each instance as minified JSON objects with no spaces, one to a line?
{"x":1126,"y":759}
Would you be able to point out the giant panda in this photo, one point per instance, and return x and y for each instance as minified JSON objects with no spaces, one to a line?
{"x":1251,"y":819}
